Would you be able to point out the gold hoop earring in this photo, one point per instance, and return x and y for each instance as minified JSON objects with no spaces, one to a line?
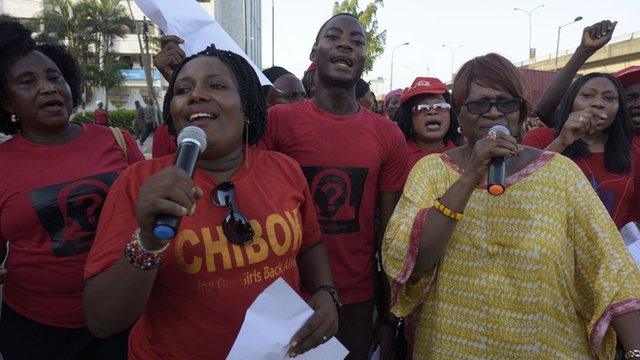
{"x":246,"y":145}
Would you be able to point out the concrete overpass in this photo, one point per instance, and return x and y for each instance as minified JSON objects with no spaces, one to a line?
{"x":621,"y":52}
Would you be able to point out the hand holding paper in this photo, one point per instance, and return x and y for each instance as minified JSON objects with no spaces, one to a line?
{"x":270,"y":323}
{"x":188,"y":20}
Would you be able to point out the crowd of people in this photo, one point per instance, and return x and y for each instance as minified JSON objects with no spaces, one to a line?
{"x":376,"y":213}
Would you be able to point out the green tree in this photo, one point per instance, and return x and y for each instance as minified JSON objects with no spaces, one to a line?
{"x":375,"y":40}
{"x":106,"y":20}
{"x":88,"y":29}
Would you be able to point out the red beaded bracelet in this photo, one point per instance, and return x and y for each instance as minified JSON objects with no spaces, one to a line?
{"x":140,"y":257}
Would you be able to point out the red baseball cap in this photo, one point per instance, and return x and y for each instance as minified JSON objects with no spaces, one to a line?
{"x":628,"y":76}
{"x":423,"y":85}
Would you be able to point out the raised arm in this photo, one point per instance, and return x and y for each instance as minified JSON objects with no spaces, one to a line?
{"x":594,"y":37}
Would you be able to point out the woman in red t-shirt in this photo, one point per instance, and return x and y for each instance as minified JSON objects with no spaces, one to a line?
{"x":594,"y":130}
{"x":426,"y":119}
{"x":257,"y":222}
{"x":55,"y":176}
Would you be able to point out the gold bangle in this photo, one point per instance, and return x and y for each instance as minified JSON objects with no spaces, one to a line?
{"x":446,"y":211}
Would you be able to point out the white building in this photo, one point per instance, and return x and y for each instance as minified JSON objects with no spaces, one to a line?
{"x":240,"y":18}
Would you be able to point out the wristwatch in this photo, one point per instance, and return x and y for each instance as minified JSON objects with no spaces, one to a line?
{"x":334,"y":294}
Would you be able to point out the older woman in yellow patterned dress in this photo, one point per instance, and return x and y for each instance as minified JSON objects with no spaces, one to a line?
{"x":539,"y":272}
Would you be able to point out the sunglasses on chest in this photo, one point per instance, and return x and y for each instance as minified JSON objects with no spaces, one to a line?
{"x":235,"y":225}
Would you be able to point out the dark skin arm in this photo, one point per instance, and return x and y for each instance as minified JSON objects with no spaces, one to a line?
{"x":114,"y":299}
{"x":594,"y":37}
{"x":434,"y":242}
{"x":627,"y":329}
{"x":314,"y":269}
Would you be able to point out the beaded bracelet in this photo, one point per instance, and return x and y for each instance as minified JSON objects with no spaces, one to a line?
{"x":446,"y":211}
{"x":140,"y":257}
{"x":632,"y":354}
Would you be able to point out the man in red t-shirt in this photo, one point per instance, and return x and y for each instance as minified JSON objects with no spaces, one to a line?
{"x":100,"y":115}
{"x":630,"y":79}
{"x":352,"y":158}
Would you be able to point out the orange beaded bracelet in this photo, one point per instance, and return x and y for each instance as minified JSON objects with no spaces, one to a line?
{"x":446,"y":211}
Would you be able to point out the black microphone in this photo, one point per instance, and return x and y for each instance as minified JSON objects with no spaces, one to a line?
{"x":191,"y":142}
{"x":495,"y":179}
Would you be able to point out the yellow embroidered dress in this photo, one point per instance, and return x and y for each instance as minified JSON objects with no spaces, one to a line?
{"x":537,"y":273}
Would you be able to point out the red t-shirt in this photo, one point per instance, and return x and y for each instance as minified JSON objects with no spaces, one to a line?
{"x":539,"y":137}
{"x":163,"y":142}
{"x":205,"y":284}
{"x":620,"y":193}
{"x":347,"y":160}
{"x":415,"y":152}
{"x":101,"y":117}
{"x":50,"y":201}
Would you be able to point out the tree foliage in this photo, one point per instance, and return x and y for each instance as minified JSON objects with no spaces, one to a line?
{"x":88,"y":29}
{"x":375,"y":40}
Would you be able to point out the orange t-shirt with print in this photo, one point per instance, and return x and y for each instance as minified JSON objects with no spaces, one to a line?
{"x":205,"y":284}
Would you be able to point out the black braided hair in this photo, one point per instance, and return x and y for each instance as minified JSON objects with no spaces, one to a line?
{"x":16,"y":42}
{"x":253,"y":103}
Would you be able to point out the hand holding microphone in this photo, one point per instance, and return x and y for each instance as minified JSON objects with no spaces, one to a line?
{"x":170,"y":194}
{"x":487,"y":158}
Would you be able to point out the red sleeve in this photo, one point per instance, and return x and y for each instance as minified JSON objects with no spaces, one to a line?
{"x":163,"y":142}
{"x":268,"y":141}
{"x":133,"y":150}
{"x":116,"y":226}
{"x":539,"y":137}
{"x":393,"y":170}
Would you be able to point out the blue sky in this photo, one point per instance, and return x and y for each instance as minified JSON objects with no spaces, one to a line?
{"x":480,"y":26}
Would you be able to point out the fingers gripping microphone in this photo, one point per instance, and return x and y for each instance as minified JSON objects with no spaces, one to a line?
{"x":495,"y":179}
{"x":191,"y":141}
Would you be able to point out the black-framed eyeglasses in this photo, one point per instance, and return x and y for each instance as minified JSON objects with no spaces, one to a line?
{"x":505,"y":106}
{"x":236,"y":226}
{"x":441,"y":107}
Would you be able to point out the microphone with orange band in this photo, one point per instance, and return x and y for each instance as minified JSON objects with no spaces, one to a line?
{"x":496,"y":176}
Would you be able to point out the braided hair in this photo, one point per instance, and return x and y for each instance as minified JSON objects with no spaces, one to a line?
{"x":249,"y":89}
{"x":15,"y":43}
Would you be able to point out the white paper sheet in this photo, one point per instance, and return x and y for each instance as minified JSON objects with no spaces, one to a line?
{"x":631,"y":235}
{"x":188,"y":20}
{"x":270,"y":323}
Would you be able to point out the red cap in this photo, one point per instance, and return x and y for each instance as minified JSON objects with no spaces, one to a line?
{"x":628,"y":76}
{"x":423,"y":85}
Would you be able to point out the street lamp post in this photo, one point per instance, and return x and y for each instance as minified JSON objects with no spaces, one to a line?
{"x":555,"y":67}
{"x":393,"y":53}
{"x":529,"y":13}
{"x":452,"y":49}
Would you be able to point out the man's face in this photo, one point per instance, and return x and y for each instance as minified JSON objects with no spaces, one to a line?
{"x":632,"y":94}
{"x":340,"y":52}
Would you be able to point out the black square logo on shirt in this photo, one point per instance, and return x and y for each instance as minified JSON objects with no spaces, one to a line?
{"x":337,"y":194}
{"x":70,"y":211}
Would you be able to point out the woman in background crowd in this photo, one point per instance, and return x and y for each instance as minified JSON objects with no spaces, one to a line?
{"x":55,"y":178}
{"x":426,"y":119}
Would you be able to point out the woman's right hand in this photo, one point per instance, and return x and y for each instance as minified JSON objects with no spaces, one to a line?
{"x":500,"y":145}
{"x":579,"y":124}
{"x":169,"y":192}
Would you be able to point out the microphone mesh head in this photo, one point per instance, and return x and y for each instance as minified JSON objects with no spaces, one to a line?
{"x":195,"y":135}
{"x":499,"y":128}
